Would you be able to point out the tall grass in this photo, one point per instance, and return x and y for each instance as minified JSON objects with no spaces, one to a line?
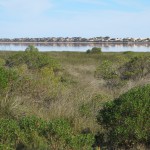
{"x":71,"y":92}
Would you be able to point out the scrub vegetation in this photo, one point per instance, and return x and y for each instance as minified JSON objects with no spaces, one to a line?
{"x":74,"y":100}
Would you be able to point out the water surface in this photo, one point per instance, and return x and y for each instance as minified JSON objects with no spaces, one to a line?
{"x":78,"y":47}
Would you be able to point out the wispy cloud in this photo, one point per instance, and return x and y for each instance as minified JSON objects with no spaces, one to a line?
{"x":36,"y":18}
{"x":99,"y":2}
{"x":134,"y":4}
{"x":19,"y":7}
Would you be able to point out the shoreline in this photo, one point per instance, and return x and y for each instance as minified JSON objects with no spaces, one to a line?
{"x":75,"y":42}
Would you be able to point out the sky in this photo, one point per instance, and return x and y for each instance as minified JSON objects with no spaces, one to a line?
{"x":74,"y":18}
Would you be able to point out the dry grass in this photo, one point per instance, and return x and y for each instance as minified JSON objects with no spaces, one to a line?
{"x":82,"y":86}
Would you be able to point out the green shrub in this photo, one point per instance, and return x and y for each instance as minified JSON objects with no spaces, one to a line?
{"x":2,"y":62}
{"x":15,"y":60}
{"x":36,"y":133}
{"x":136,"y":68}
{"x":7,"y":78}
{"x":82,"y":141}
{"x":10,"y":135}
{"x":88,"y":51}
{"x":109,"y":72}
{"x":126,"y":119}
{"x":28,"y":133}
{"x":85,"y":109}
{"x":8,"y":103}
{"x":41,"y":133}
{"x":29,"y":124}
{"x":35,"y":130}
{"x":94,"y":50}
{"x":33,"y":59}
{"x":128,"y":52}
{"x":106,"y":70}
{"x":31,"y":48}
{"x":61,"y":127}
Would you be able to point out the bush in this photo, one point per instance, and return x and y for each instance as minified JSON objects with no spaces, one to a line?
{"x":82,"y":141}
{"x":33,"y":59}
{"x":106,"y":71}
{"x":94,"y":50}
{"x":10,"y":135}
{"x":7,"y":78}
{"x":31,"y":48}
{"x":126,"y":119}
{"x":128,"y":52}
{"x":2,"y":62}
{"x":109,"y":73}
{"x":36,"y":133}
{"x":136,"y":68}
{"x":63,"y":134}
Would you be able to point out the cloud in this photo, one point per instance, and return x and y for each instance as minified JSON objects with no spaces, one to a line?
{"x":24,"y":7}
{"x":134,"y":4}
{"x":93,"y":2}
{"x":38,"y":18}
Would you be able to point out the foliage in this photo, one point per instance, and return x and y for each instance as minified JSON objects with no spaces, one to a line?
{"x":10,"y":107}
{"x":31,"y":48}
{"x":85,"y":110}
{"x":7,"y":78}
{"x":136,"y":68}
{"x":2,"y":62}
{"x":128,"y":52}
{"x":35,"y":133}
{"x":126,"y":119}
{"x":35,"y":130}
{"x":10,"y":134}
{"x":82,"y":141}
{"x":33,"y":59}
{"x":106,"y":70}
{"x":94,"y":50}
{"x":51,"y":95}
{"x":91,"y":108}
{"x":116,"y":74}
{"x":109,"y":73}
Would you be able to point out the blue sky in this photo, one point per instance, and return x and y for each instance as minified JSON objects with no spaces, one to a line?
{"x":86,"y":18}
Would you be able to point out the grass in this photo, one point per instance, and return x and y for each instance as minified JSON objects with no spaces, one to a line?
{"x":74,"y":93}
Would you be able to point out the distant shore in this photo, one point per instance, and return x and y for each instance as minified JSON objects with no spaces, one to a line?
{"x":102,"y":40}
{"x":75,"y":42}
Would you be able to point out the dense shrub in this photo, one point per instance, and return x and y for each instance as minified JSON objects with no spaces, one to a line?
{"x":128,"y":52}
{"x":136,"y":68}
{"x":116,"y":74}
{"x":94,"y":50}
{"x":82,"y":141}
{"x":106,"y":70}
{"x":35,"y":133}
{"x":126,"y":119}
{"x":31,"y":48}
{"x":2,"y":62}
{"x":33,"y":59}
{"x":109,"y":73}
{"x":7,"y":78}
{"x":11,"y":136}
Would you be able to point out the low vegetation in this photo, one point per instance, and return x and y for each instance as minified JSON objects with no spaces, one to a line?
{"x":74,"y":100}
